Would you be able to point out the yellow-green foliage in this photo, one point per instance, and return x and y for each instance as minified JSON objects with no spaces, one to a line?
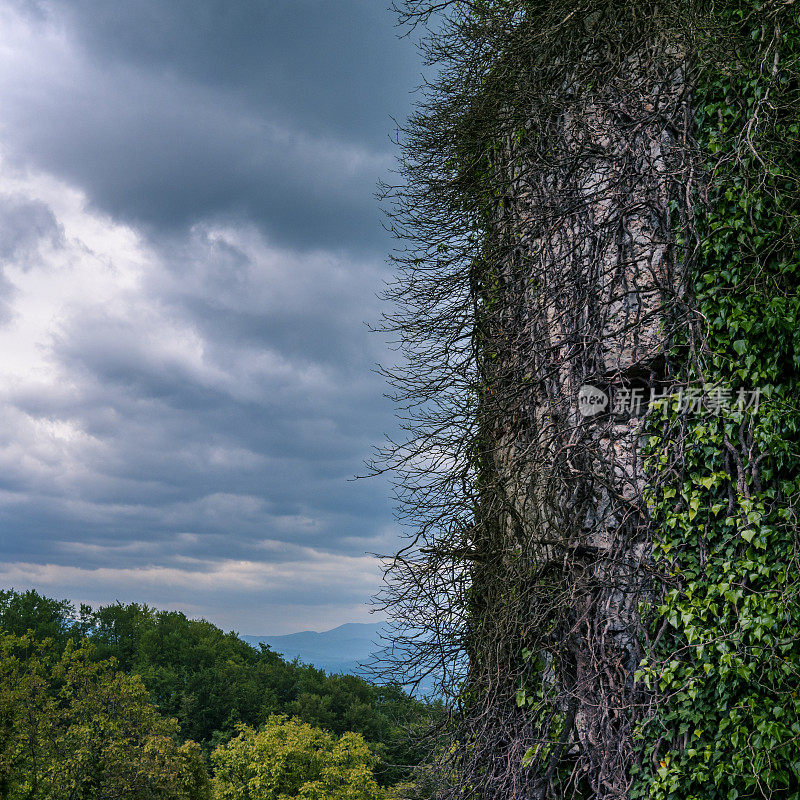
{"x":288,"y":759}
{"x":71,"y":727}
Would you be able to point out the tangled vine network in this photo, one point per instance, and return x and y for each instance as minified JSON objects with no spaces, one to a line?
{"x":597,"y":217}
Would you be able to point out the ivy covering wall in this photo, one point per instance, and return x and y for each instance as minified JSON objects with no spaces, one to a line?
{"x":725,"y":475}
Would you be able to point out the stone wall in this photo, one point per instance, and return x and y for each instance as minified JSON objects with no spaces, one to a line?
{"x":582,"y":279}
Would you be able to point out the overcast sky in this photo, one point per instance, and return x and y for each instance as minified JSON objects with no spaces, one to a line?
{"x":189,"y":249}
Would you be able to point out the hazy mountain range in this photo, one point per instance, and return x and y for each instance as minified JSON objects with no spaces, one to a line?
{"x":343,"y":649}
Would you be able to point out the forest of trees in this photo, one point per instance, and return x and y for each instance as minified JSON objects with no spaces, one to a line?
{"x":125,"y":701}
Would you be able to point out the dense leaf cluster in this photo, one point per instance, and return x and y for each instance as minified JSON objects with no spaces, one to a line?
{"x":75,"y":728}
{"x":289,"y":759}
{"x":726,"y":484}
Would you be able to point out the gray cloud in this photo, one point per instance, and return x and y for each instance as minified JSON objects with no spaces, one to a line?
{"x":175,"y":424}
{"x":169,"y":112}
{"x":192,"y":248}
{"x":330,"y":66}
{"x":24,"y":226}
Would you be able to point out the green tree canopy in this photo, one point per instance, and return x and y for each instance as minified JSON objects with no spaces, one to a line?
{"x":74,"y":727}
{"x":288,"y":759}
{"x":45,"y":617}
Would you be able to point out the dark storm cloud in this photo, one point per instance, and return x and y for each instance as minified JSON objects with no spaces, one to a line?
{"x":251,"y":416}
{"x":333,"y":66}
{"x":192,"y":249}
{"x":167,"y":112}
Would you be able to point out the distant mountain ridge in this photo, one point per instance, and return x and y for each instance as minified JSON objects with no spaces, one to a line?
{"x":341,"y":650}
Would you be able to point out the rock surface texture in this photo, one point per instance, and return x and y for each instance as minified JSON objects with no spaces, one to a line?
{"x":577,"y":292}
